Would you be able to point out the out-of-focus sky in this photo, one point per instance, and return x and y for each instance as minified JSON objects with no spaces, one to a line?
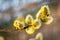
{"x":16,"y":4}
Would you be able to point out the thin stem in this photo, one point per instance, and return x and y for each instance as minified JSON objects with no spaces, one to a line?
{"x":8,"y":30}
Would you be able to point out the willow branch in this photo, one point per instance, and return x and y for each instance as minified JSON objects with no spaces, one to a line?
{"x":8,"y":30}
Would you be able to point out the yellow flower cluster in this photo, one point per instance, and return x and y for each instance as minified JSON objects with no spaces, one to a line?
{"x":30,"y":24}
{"x":39,"y":36}
{"x":44,"y":15}
{"x":19,"y":23}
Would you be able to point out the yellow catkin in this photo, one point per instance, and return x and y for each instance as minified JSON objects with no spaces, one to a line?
{"x":37,"y":24}
{"x":30,"y":30}
{"x":29,"y":19}
{"x":19,"y":23}
{"x":39,"y":36}
{"x":43,"y":12}
{"x":49,"y":20}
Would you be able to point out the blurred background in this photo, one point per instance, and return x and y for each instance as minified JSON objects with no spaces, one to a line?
{"x":10,"y":9}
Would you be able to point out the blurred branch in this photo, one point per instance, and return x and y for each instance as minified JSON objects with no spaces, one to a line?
{"x":9,"y":30}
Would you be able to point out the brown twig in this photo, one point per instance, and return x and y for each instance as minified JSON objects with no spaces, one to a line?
{"x":8,"y":30}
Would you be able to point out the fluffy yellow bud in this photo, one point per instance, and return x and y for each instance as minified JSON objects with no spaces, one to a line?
{"x":19,"y":23}
{"x":29,"y":19}
{"x":39,"y":36}
{"x":30,"y":30}
{"x":43,"y":12}
{"x":37,"y":24}
{"x":49,"y":20}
